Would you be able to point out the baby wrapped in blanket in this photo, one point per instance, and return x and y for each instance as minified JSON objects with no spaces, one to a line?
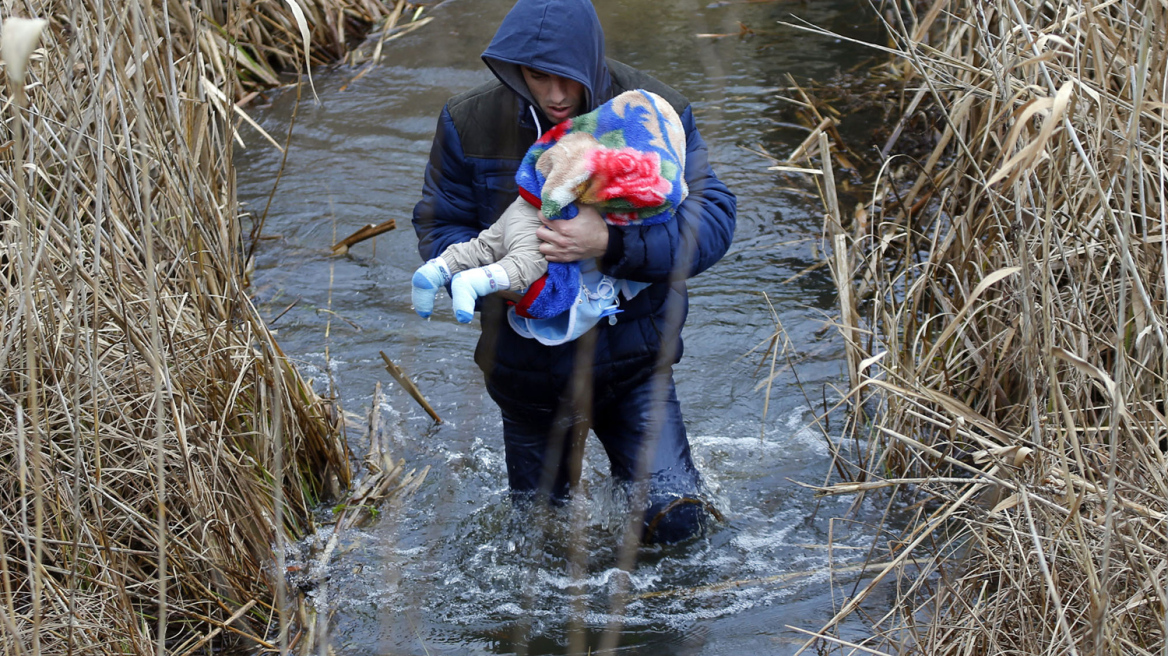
{"x":627,"y":159}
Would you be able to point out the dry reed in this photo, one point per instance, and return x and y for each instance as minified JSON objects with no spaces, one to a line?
{"x":263,"y":39}
{"x":155,"y":443}
{"x":1003,"y":301}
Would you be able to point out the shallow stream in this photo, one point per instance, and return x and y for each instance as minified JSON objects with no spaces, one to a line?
{"x":454,"y":569}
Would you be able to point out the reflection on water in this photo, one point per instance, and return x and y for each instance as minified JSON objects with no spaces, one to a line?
{"x":456,"y":569}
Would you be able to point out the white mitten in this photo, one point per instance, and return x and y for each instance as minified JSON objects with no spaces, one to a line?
{"x":428,"y":279}
{"x":471,"y":284}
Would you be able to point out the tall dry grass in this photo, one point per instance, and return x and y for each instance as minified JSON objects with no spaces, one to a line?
{"x":1004,"y":301}
{"x":157,"y":448}
{"x":258,"y":41}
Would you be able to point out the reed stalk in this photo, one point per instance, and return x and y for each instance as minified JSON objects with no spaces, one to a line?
{"x":1014,"y":286}
{"x":155,"y":442}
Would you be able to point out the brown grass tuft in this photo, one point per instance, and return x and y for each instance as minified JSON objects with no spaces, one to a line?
{"x":155,"y":443}
{"x":1004,"y":302}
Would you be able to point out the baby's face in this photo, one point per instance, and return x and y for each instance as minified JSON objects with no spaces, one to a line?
{"x":558,"y":97}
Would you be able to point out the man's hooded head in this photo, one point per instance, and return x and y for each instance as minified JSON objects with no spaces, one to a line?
{"x":560,"y":37}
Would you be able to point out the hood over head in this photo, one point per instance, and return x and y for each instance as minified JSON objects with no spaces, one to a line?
{"x":561,"y":37}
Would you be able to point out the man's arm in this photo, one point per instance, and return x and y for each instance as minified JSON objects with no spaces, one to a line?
{"x":699,"y":235}
{"x":447,"y":213}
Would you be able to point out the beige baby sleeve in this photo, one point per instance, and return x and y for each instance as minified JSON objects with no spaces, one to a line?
{"x":510,"y":241}
{"x":486,"y":248}
{"x":524,"y":263}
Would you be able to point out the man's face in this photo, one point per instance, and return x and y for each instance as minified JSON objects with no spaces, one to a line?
{"x":558,"y":97}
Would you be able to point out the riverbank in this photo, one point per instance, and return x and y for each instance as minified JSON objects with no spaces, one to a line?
{"x":157,"y":448}
{"x":1003,"y":299}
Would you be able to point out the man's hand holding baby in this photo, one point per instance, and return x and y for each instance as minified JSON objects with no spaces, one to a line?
{"x":583,"y":237}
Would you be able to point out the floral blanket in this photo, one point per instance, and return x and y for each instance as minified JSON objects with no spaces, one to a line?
{"x":626,"y":158}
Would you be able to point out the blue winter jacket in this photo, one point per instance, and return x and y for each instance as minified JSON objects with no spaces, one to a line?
{"x":481,"y":138}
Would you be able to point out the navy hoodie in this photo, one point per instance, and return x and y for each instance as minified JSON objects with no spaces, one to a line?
{"x":562,"y":37}
{"x":481,"y":137}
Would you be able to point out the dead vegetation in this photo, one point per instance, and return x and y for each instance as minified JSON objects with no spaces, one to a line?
{"x":1004,"y":304}
{"x":157,"y":448}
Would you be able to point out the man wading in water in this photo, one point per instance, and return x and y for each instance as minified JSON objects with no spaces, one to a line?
{"x":548,"y":58}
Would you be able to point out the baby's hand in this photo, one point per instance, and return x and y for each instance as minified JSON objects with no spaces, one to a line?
{"x":473,"y":283}
{"x":428,"y":279}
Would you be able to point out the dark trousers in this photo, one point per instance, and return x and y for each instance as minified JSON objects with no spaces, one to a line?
{"x":639,"y":424}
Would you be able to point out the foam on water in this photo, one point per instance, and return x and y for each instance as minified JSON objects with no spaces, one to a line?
{"x":475,"y":574}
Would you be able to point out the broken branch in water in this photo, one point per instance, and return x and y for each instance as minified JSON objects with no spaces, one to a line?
{"x":368,"y":232}
{"x":400,"y":377}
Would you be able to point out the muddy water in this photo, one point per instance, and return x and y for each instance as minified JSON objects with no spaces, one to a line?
{"x":455,"y":570}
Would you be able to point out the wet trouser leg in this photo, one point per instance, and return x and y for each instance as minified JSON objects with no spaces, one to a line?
{"x":633,"y":421}
{"x":644,"y":421}
{"x":536,"y":443}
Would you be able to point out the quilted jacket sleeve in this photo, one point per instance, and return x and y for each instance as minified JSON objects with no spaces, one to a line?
{"x":447,"y":213}
{"x":699,"y":235}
